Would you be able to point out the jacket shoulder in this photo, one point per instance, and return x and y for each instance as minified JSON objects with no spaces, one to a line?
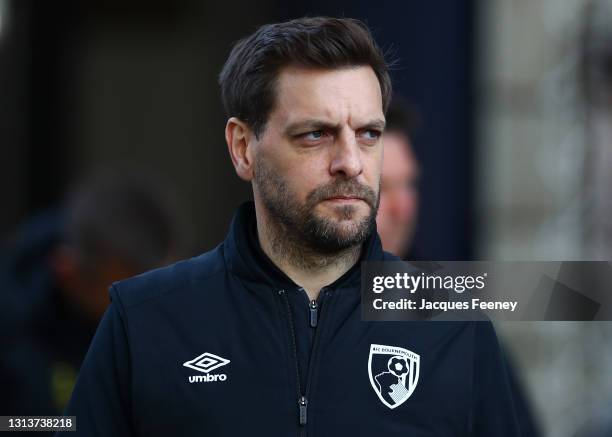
{"x":180,"y":275}
{"x":390,"y":257}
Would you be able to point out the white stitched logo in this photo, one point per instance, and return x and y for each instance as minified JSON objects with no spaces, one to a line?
{"x":394,"y":373}
{"x":206,"y":363}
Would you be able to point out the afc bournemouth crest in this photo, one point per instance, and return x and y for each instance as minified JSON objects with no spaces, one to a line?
{"x":394,"y":373}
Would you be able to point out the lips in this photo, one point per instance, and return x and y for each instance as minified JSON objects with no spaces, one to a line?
{"x":344,"y":198}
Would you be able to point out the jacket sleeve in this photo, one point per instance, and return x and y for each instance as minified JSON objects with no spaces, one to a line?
{"x":101,"y":396}
{"x":493,"y":409}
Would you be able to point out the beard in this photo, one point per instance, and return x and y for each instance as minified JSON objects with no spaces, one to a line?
{"x":300,"y":231}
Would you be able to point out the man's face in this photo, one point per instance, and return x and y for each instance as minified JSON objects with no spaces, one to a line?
{"x":318,"y":161}
{"x":399,"y":195}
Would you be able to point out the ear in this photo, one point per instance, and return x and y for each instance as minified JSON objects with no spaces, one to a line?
{"x":238,"y":136}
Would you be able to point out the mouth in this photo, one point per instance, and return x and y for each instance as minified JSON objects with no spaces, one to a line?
{"x":344,"y":199}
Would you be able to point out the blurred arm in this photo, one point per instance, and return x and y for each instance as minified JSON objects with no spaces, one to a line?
{"x":101,"y":397}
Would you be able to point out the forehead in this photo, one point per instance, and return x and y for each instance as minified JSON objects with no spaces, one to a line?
{"x":349,"y":94}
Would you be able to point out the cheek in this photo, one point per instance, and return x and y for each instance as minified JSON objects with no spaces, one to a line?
{"x":309,"y":171}
{"x":411,"y":201}
{"x":407,"y":207}
{"x":372,"y":166}
{"x":302,"y":180}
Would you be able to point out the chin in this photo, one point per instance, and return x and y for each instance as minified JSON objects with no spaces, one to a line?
{"x":347,"y":226}
{"x":349,"y":212}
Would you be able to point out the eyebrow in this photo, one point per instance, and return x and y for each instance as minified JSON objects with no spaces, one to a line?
{"x":378,"y":123}
{"x":317,"y":124}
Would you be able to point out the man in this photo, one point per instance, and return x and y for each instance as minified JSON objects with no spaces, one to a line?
{"x":399,"y":196}
{"x":54,"y":279}
{"x":262,"y":335}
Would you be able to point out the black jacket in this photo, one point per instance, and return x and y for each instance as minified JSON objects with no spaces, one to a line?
{"x":225,"y":344}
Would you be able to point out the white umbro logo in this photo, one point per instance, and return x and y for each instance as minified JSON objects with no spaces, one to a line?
{"x":206,"y":363}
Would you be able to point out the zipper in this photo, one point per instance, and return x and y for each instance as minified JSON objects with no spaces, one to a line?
{"x":315,"y":321}
{"x":302,"y":401}
{"x":325,"y":292}
{"x":313,"y":308}
{"x":303,"y":410}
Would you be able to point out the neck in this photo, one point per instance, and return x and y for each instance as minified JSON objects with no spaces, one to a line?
{"x":309,"y":269}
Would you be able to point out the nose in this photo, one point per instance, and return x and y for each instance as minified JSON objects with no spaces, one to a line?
{"x":346,"y":159}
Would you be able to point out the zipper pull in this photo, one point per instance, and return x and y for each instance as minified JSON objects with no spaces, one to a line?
{"x":303,"y":404}
{"x":313,"y":313}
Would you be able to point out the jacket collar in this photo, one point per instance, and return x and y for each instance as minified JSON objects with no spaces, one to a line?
{"x":245,"y":258}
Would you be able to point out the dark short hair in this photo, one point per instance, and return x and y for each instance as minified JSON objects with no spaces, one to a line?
{"x":248,"y":77}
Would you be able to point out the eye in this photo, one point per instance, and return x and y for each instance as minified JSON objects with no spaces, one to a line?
{"x":371,"y":135}
{"x":313,"y":136}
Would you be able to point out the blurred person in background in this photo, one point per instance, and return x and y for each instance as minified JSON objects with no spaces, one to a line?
{"x":397,"y":215}
{"x":54,"y":280}
{"x":399,"y":194}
